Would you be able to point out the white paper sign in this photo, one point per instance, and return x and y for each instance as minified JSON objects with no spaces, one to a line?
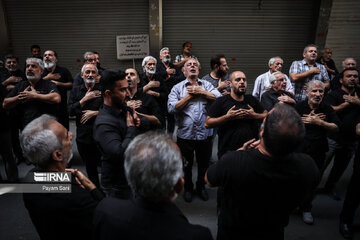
{"x":132,"y":46}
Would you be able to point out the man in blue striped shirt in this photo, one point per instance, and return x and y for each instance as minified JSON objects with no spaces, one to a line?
{"x":303,"y":71}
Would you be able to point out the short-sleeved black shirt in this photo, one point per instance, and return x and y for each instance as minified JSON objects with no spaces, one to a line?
{"x":234,"y":133}
{"x":33,"y":109}
{"x":260,"y":192}
{"x":348,"y":116}
{"x":315,"y":137}
{"x":84,"y":132}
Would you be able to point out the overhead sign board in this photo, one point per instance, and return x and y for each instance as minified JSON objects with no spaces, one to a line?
{"x":132,"y":46}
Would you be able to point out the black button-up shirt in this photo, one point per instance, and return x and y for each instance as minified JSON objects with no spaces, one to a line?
{"x":84,"y":132}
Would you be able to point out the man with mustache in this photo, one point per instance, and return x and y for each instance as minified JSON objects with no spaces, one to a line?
{"x":262,"y":82}
{"x":346,"y":103}
{"x":152,"y":83}
{"x":34,"y":97}
{"x":84,"y":103}
{"x":219,"y":76}
{"x":277,"y":92}
{"x":89,"y":57}
{"x":235,"y":115}
{"x":188,"y":100}
{"x":12,"y":74}
{"x":172,"y":75}
{"x":63,"y":80}
{"x":303,"y":71}
{"x":319,"y":119}
{"x":347,"y":63}
{"x":328,"y":62}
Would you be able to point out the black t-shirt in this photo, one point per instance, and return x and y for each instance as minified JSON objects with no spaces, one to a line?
{"x":234,"y":133}
{"x":348,"y":116}
{"x":260,"y":192}
{"x":315,"y":138}
{"x":33,"y":109}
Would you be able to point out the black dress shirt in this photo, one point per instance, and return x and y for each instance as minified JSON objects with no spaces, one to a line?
{"x":84,"y":132}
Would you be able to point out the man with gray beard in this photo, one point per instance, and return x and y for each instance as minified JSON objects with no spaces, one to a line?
{"x":152,"y":83}
{"x":172,"y":76}
{"x":63,"y":80}
{"x":34,"y":97}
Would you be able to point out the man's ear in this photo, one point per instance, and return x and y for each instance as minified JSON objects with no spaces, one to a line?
{"x":107,"y":92}
{"x":179,"y":185}
{"x":57,"y":155}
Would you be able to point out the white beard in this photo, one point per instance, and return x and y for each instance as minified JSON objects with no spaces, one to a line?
{"x":149,"y":71}
{"x":33,"y":77}
{"x":49,"y":64}
{"x":167,"y":60}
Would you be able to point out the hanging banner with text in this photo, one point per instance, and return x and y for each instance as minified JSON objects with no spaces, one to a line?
{"x":132,"y":46}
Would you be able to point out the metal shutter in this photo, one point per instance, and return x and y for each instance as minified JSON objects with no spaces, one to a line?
{"x":74,"y":27}
{"x":248,"y":32}
{"x":344,"y":31}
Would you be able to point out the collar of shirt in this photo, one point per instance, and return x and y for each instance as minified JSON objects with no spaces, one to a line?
{"x":188,"y":83}
{"x":114,"y":111}
{"x":305,"y":63}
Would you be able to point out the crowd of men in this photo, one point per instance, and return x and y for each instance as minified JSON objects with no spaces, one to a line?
{"x":273,"y":144}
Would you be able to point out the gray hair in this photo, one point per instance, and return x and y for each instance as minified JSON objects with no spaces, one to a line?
{"x":349,"y":58}
{"x":310,"y":45}
{"x":273,"y":76}
{"x":314,"y":83}
{"x":38,"y":142}
{"x":87,"y":54}
{"x":146,"y":59}
{"x":37,"y":60}
{"x":153,"y":165}
{"x":83,"y":67}
{"x":272,"y":60}
{"x":163,"y":49}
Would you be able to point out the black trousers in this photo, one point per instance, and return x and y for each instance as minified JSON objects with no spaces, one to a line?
{"x":343,"y":154}
{"x":91,"y":156}
{"x":352,"y":198}
{"x":202,"y":150}
{"x":7,"y":155}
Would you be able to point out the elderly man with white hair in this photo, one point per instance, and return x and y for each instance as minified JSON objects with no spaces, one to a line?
{"x":153,"y":169}
{"x":34,"y":97}
{"x":277,"y":92}
{"x":48,"y":145}
{"x":262,"y":82}
{"x":153,"y":83}
{"x":172,"y":75}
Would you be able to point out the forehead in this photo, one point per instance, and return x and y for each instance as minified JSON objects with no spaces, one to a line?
{"x":90,"y":67}
{"x":11,"y":60}
{"x":328,"y":50}
{"x":58,"y":129}
{"x":32,"y":63}
{"x":236,"y":75}
{"x":278,"y":60}
{"x":348,"y":61}
{"x":314,"y":87}
{"x":123,"y":83}
{"x":49,"y":52}
{"x":188,"y":45}
{"x":150,"y":61}
{"x":352,"y":72}
{"x":130,"y":70}
{"x":90,"y":56}
{"x":279,"y":75}
{"x":311,"y":49}
{"x":191,"y":61}
{"x":223,"y":60}
{"x":165,"y":51}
